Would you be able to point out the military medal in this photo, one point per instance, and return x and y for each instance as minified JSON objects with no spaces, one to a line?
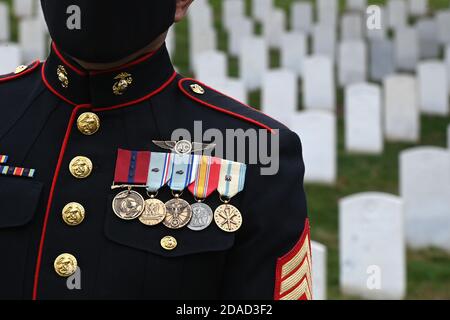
{"x":131,"y":172}
{"x":178,"y":211}
{"x":231,"y":182}
{"x":205,"y":183}
{"x":158,"y":174}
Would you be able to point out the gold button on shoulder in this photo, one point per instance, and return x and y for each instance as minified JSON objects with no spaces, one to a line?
{"x":65,"y":265}
{"x":73,"y":214}
{"x":80,"y":167}
{"x":198,"y":89}
{"x":88,"y":123}
{"x":169,"y":243}
{"x":20,"y":69}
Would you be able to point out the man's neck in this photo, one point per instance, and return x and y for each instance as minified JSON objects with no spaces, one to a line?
{"x":155,"y":45}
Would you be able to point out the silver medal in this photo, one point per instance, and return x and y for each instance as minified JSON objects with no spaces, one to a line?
{"x":202,"y":216}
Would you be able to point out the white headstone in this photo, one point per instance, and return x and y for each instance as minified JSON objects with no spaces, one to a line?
{"x":231,"y":87}
{"x":406,"y":49}
{"x":319,"y":90}
{"x":382,"y":61}
{"x":324,"y":41}
{"x":261,"y":8}
{"x":319,"y":270}
{"x":447,"y":61}
{"x":23,"y":8}
{"x":32,"y":40}
{"x":233,"y":10}
{"x":433,"y":87}
{"x":318,"y":132}
{"x":418,"y":7}
{"x":4,"y":22}
{"x":327,"y":12}
{"x":171,"y":40}
{"x":377,"y":22}
{"x":243,"y":28}
{"x":254,"y":61}
{"x":427,"y":30}
{"x":356,"y":5}
{"x":294,"y":47}
{"x":443,"y":21}
{"x":352,"y":62}
{"x":352,"y":27}
{"x":202,"y":35}
{"x":363,"y":119}
{"x":274,"y":26}
{"x":448,"y":137}
{"x":372,"y":246}
{"x":401,"y":109}
{"x":10,"y":57}
{"x":302,"y":17}
{"x":397,"y":13}
{"x":425,"y":189}
{"x":210,"y":65}
{"x":280,"y":95}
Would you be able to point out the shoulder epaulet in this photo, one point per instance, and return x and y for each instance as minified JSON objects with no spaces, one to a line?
{"x":20,"y":72}
{"x":213,"y":99}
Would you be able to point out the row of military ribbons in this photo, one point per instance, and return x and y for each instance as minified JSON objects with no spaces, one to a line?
{"x":200,"y":174}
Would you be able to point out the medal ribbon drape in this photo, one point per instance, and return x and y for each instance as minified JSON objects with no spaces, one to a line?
{"x":184,"y":170}
{"x":160,"y":170}
{"x":132,"y":167}
{"x":231,"y":179}
{"x":207,"y":178}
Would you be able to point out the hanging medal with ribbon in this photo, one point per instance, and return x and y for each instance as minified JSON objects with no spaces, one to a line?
{"x":131,"y":172}
{"x":178,"y":211}
{"x":159,"y":172}
{"x":231,"y":182}
{"x":205,"y":183}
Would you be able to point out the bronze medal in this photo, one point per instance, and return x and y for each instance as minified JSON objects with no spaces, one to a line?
{"x":228,"y":218}
{"x":178,"y":213}
{"x":128,"y":205}
{"x":154,"y":213}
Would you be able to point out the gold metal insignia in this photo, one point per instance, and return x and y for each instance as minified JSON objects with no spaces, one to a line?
{"x":169,"y":243}
{"x":65,"y":265}
{"x":88,"y":123}
{"x":124,"y":81}
{"x":80,"y":167}
{"x":198,"y":89}
{"x":73,"y":214}
{"x":20,"y":69}
{"x":183,"y":146}
{"x":61,"y":72}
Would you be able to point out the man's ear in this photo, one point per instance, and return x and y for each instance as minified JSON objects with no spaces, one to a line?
{"x":182,"y":9}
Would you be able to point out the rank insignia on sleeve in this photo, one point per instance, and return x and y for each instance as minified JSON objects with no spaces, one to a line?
{"x":293,"y":279}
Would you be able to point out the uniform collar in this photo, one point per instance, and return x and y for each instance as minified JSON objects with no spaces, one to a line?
{"x":125,"y":85}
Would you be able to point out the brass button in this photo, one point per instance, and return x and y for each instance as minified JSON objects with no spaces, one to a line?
{"x":80,"y":167}
{"x":65,"y":265}
{"x":88,"y":123}
{"x":73,"y":214}
{"x":63,"y":77}
{"x":198,"y":89}
{"x":169,"y":243}
{"x":20,"y":69}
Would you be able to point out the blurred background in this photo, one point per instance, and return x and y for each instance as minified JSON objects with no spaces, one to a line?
{"x":366,"y":85}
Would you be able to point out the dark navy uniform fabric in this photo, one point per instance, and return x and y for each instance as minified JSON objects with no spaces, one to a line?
{"x":124,"y":259}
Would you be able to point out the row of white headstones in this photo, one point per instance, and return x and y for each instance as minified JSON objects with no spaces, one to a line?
{"x":373,"y":226}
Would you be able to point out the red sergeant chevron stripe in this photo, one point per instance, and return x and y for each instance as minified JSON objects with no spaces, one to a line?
{"x":17,"y":171}
{"x":3,"y":159}
{"x":293,"y":279}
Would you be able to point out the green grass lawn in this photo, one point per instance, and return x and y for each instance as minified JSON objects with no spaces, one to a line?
{"x":428,"y":270}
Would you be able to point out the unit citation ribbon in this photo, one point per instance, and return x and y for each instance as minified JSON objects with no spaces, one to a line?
{"x":178,"y":211}
{"x":159,"y":172}
{"x":205,"y":183}
{"x":131,"y":172}
{"x":231,"y":182}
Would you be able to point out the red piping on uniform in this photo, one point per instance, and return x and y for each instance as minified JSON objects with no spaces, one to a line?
{"x":281,"y":261}
{"x":47,"y":84}
{"x":128,"y":65}
{"x":148,"y":96}
{"x":50,"y":197}
{"x":71,"y":66}
{"x":34,"y":65}
{"x":236,"y":115}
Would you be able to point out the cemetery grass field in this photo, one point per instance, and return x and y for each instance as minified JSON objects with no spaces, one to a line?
{"x":428,"y":271}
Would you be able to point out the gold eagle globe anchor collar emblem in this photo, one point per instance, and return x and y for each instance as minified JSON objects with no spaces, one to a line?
{"x":124,"y":81}
{"x":63,"y":77}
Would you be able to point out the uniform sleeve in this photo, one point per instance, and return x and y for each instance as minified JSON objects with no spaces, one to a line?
{"x":271,"y":257}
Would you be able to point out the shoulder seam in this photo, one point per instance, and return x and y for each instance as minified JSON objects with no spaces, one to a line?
{"x":30,"y":69}
{"x":231,"y":113}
